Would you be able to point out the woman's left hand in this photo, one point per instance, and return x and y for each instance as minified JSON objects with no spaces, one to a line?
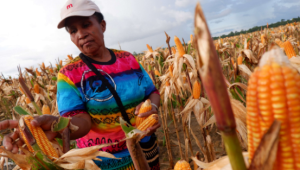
{"x":152,"y":129}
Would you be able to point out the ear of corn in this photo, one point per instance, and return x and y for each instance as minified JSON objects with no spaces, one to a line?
{"x":40,"y":138}
{"x":171,"y":70}
{"x":156,"y":72}
{"x":27,"y":100}
{"x":51,"y":70}
{"x":240,"y":60}
{"x":173,"y":50}
{"x":179,"y":46}
{"x":149,"y":48}
{"x":288,"y":48}
{"x":46,"y":110}
{"x":70,"y":57}
{"x":191,"y":36}
{"x":196,"y":90}
{"x":36,"y":88}
{"x":149,"y":122}
{"x":263,"y":38}
{"x":274,"y":93}
{"x":182,"y":165}
{"x":146,"y":106}
{"x":279,"y":43}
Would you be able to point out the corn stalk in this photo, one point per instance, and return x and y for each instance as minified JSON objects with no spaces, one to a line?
{"x":215,"y":86}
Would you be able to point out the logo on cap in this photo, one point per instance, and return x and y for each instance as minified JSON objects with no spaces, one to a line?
{"x":69,"y":6}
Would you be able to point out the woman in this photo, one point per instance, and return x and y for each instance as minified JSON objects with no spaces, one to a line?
{"x":88,"y":100}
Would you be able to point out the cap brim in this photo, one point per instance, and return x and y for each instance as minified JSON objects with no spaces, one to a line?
{"x":61,"y":24}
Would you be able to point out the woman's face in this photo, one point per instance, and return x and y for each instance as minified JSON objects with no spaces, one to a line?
{"x":87,"y":34}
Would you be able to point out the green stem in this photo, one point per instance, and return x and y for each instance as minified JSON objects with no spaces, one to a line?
{"x":233,"y":149}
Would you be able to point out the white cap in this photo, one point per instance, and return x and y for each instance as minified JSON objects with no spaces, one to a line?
{"x":83,"y":8}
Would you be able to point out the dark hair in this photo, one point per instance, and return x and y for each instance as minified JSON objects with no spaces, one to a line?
{"x":98,"y":15}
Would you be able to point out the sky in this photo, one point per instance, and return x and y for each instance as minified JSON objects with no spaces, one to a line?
{"x":29,"y":34}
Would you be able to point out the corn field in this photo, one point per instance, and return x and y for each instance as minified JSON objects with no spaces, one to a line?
{"x":260,"y":71}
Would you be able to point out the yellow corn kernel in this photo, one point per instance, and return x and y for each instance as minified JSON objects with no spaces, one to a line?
{"x":149,"y":48}
{"x":289,"y":50}
{"x":46,"y":110}
{"x":196,"y":90}
{"x":182,"y":165}
{"x":149,"y":122}
{"x":274,"y":93}
{"x":40,"y":138}
{"x":179,"y":46}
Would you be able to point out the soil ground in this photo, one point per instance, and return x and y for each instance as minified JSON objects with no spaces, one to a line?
{"x":163,"y":157}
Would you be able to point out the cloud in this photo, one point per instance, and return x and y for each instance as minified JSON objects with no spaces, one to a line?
{"x":29,"y":35}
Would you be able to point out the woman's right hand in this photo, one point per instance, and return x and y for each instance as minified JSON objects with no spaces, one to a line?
{"x":44,"y":121}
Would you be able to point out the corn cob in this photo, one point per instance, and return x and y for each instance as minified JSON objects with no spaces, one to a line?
{"x":70,"y":57}
{"x":196,"y":90}
{"x":149,"y":48}
{"x":173,"y":50}
{"x":36,"y":88}
{"x":240,"y":60}
{"x":171,"y":70}
{"x":288,"y":48}
{"x":27,"y":100}
{"x":40,"y":138}
{"x":149,"y":122}
{"x":179,"y":46}
{"x":156,"y":72}
{"x":46,"y":110}
{"x":61,"y":63}
{"x":263,"y":38}
{"x":167,"y":83}
{"x":146,"y":106}
{"x":274,"y":93}
{"x":182,"y":165}
{"x":51,"y":70}
{"x":191,"y":36}
{"x":279,"y":43}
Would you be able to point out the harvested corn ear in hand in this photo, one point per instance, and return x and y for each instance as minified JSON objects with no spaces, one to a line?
{"x":146,"y":106}
{"x":39,"y":136}
{"x":149,"y":122}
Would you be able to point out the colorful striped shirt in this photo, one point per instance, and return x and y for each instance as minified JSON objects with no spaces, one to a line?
{"x":79,"y":91}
